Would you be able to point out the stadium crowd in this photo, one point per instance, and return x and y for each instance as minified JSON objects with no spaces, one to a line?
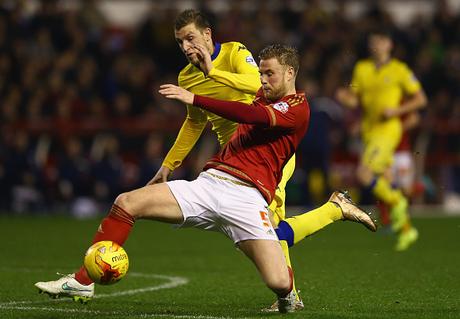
{"x":81,"y":120}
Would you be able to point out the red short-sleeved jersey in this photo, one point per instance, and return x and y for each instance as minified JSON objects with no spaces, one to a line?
{"x":258,"y":153}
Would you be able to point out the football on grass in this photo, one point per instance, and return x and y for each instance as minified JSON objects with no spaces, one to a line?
{"x":106,"y":262}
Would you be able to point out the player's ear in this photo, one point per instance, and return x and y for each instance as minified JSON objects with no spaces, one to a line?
{"x":207,"y":34}
{"x":290,"y":73}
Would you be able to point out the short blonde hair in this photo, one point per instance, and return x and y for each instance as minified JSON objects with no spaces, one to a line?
{"x":286,"y":55}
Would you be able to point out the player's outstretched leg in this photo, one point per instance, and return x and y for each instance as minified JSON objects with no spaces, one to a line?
{"x":339,"y":207}
{"x":150,"y":202}
{"x":116,"y":226}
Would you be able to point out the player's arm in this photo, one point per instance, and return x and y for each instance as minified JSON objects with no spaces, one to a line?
{"x":188,"y":135}
{"x":279,"y":115}
{"x":234,"y":111}
{"x":413,"y":89}
{"x":413,"y":103}
{"x":349,"y":96}
{"x":416,"y":97}
{"x":246,"y":76}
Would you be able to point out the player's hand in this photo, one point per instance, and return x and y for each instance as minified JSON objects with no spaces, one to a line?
{"x":161,"y":176}
{"x":341,"y":94}
{"x":205,"y":58}
{"x":175,"y":92}
{"x":411,"y":120}
{"x":355,"y":129}
{"x":346,"y":97}
{"x":390,"y":113}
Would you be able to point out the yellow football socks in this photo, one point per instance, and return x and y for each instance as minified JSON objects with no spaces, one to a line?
{"x":310,"y":222}
{"x":383,"y":191}
{"x":285,"y":248}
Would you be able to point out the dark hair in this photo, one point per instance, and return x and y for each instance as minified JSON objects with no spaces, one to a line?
{"x":382,"y":31}
{"x":191,"y":16}
{"x":286,"y":55}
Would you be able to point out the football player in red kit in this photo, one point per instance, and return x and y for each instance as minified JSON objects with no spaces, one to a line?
{"x":232,"y":193}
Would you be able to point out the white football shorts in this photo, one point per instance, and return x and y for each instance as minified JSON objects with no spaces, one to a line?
{"x":403,"y":169}
{"x":218,"y":201}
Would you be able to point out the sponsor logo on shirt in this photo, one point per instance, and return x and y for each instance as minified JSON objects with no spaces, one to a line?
{"x":250,"y":60}
{"x":283,"y":107}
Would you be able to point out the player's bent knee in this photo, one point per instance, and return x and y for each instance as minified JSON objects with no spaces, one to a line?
{"x":125,"y":200}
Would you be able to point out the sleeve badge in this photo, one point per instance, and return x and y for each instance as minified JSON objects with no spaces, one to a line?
{"x":250,"y":60}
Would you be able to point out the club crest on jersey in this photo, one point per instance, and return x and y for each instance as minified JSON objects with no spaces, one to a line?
{"x":283,"y":107}
{"x":250,"y":60}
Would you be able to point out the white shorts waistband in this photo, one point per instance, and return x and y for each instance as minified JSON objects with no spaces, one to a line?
{"x":225,"y":176}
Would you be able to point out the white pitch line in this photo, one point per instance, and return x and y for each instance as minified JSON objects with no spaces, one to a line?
{"x":173,"y":282}
{"x":117,"y":313}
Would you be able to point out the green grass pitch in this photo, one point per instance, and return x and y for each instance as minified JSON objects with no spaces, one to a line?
{"x":343,"y":271}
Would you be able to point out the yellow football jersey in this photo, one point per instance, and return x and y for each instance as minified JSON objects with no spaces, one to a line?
{"x":382,"y":88}
{"x":234,"y":76}
{"x":379,"y":89}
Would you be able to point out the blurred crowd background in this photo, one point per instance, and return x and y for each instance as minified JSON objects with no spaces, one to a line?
{"x":81,"y":120}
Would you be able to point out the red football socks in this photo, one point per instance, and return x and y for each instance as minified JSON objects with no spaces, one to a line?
{"x":115,"y":227}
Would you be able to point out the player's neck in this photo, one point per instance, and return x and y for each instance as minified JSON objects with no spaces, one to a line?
{"x":291,"y":91}
{"x":212,"y":48}
{"x":381,"y":60}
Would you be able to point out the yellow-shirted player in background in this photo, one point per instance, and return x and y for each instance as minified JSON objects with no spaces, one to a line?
{"x":228,"y":71}
{"x":378,"y":86}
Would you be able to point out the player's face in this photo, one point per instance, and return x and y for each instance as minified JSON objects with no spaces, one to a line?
{"x":273,"y":77}
{"x":380,"y":45}
{"x":189,"y":36}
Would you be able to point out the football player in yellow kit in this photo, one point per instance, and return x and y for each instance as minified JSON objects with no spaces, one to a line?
{"x":228,"y":71}
{"x":378,"y":86}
